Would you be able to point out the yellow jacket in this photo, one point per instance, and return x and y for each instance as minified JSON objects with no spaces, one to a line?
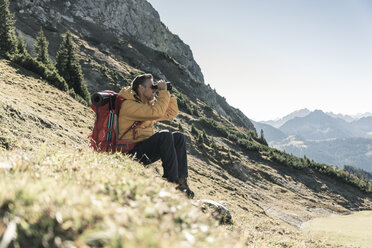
{"x":133,"y":109}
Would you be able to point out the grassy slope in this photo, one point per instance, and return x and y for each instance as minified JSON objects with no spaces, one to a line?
{"x":354,"y":229}
{"x":59,"y":190}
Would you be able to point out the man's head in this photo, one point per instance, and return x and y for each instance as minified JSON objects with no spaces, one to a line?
{"x":142,"y":85}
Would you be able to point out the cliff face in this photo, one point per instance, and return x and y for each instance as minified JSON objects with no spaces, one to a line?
{"x":135,"y":19}
{"x":140,"y":21}
{"x":115,"y":34}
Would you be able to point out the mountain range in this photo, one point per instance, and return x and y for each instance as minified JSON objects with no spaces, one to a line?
{"x":325,"y":137}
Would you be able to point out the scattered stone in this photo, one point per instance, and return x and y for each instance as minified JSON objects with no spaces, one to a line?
{"x":5,"y":165}
{"x":164,"y":194}
{"x":9,"y":235}
{"x":218,"y":211}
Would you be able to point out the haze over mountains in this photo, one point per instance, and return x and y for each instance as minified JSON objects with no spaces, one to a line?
{"x":325,"y":137}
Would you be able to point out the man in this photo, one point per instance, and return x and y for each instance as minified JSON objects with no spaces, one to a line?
{"x":138,"y":113}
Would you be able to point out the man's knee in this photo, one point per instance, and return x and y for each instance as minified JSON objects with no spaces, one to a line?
{"x":166,"y":136}
{"x":179,"y":138}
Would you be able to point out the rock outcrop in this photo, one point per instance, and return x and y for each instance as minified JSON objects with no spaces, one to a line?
{"x":114,"y":34}
{"x":135,"y":19}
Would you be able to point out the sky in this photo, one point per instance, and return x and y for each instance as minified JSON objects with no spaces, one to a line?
{"x":269,"y":57}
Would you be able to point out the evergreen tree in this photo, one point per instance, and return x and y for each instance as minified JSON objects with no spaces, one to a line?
{"x":8,"y":43}
{"x":21,"y":46}
{"x":262,"y":139}
{"x":69,"y":68}
{"x":41,"y":48}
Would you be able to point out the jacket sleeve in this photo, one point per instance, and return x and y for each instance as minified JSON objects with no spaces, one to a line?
{"x":143,"y":112}
{"x":172,"y":110}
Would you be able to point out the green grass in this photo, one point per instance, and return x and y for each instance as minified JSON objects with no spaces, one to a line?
{"x":98,"y":200}
{"x":354,"y":230}
{"x":60,"y":197}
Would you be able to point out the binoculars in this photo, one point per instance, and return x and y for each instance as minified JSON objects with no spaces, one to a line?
{"x":169,"y":86}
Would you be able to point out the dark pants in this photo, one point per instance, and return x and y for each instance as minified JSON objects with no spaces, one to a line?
{"x":167,"y":146}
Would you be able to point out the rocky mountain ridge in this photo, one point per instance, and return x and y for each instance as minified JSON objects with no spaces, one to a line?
{"x":318,"y":125}
{"x":280,"y":121}
{"x":135,"y":19}
{"x":115,"y":35}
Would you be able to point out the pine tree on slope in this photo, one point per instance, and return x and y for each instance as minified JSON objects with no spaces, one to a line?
{"x":21,"y":46}
{"x":41,"y":49}
{"x":8,"y":43}
{"x":69,"y":68}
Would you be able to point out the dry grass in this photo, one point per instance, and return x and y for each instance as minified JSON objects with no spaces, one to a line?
{"x":59,"y":193}
{"x":57,"y":197}
{"x":354,"y":230}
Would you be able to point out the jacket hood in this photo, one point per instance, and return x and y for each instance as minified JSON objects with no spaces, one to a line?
{"x":127,"y":93}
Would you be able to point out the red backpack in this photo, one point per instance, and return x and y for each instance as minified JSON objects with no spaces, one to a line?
{"x":104,"y":137}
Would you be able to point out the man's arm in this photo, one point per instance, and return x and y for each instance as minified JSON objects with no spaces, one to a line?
{"x":172,"y":110}
{"x":143,"y":112}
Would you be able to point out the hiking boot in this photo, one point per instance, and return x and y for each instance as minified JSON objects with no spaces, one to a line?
{"x":184,"y":187}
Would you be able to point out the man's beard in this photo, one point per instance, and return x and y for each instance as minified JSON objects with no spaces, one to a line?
{"x":151,"y":98}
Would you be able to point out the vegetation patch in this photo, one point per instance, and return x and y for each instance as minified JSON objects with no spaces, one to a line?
{"x":103,"y":200}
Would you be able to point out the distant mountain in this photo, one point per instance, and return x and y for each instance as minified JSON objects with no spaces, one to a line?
{"x":347,"y":118}
{"x":349,"y":151}
{"x":350,"y":118}
{"x":279,"y":122}
{"x":318,"y":126}
{"x":358,"y":116}
{"x":363,"y":125}
{"x":324,"y":137}
{"x":270,"y":133}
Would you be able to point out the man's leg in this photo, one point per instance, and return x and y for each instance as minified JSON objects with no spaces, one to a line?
{"x":180,"y":146}
{"x":159,"y":146}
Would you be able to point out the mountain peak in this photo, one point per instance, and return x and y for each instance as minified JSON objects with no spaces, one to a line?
{"x":317,"y":125}
{"x":279,"y":122}
{"x":318,"y":113}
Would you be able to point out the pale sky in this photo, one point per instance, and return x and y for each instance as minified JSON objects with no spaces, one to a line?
{"x":269,"y":57}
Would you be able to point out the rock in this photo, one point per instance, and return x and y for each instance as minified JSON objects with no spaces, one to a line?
{"x":218,"y":211}
{"x":9,"y":235}
{"x":139,"y":20}
{"x":115,"y":22}
{"x":5,"y":166}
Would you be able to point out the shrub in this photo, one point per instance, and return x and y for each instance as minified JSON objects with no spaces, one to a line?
{"x":208,"y":108}
{"x":194,"y":130}
{"x":52,"y":77}
{"x":195,"y":111}
{"x":180,"y":126}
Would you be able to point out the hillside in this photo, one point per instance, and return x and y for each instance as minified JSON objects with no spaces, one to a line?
{"x":43,"y":136}
{"x":111,"y":45}
{"x":112,"y":201}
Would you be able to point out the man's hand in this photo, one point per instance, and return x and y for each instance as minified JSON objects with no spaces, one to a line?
{"x":162,"y":85}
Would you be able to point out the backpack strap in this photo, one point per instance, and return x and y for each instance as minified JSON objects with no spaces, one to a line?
{"x":133,"y":127}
